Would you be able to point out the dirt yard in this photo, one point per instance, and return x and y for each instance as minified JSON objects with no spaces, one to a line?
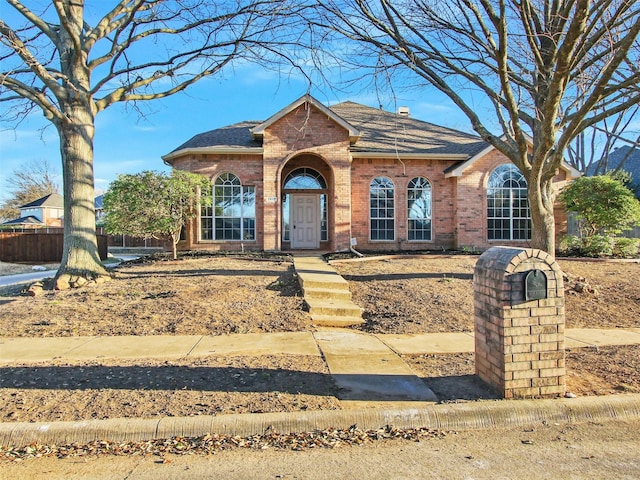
{"x":222,"y":295}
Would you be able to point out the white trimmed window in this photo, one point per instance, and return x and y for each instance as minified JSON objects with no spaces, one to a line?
{"x":232,"y":215}
{"x":382,"y":209}
{"x":419,"y":209}
{"x":508,"y":214}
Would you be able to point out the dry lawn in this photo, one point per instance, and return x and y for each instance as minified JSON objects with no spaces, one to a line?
{"x":222,"y":294}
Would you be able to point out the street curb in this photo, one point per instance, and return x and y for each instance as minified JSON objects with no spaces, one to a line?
{"x":452,"y":416}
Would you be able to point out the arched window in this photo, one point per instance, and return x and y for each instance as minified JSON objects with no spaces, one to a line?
{"x":419,"y":209}
{"x":304,"y":179}
{"x":232,"y":215}
{"x":508,"y":215}
{"x":382,"y":209}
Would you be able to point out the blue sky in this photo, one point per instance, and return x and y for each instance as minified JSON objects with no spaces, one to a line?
{"x":127,"y":143}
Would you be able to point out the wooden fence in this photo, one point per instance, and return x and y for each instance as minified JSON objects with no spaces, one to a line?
{"x":36,"y":246}
{"x":45,"y":244}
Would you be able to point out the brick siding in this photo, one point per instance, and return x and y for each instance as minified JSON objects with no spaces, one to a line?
{"x":307,"y":137}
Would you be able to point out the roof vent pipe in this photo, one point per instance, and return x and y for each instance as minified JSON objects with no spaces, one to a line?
{"x":404,"y":111}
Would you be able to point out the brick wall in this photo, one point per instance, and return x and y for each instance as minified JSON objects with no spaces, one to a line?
{"x":364,"y":170}
{"x":246,"y":167}
{"x":308,"y":137}
{"x":519,"y":343}
{"x":308,"y":131}
{"x":471,"y":200}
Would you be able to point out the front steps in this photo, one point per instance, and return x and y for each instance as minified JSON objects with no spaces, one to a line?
{"x":326,"y":293}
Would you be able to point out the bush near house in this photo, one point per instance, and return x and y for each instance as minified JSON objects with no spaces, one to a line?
{"x":605,"y":208}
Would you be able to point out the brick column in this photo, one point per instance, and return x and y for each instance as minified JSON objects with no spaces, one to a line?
{"x":519,"y":333}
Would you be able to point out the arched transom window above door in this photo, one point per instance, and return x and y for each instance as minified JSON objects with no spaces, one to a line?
{"x":304,"y":179}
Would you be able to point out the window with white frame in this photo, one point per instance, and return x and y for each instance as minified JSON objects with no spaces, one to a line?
{"x":508,"y":214}
{"x":382,"y":209}
{"x":232,"y":215}
{"x":419,"y":209}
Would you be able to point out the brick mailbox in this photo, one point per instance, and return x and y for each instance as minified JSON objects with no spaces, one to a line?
{"x":519,"y":322}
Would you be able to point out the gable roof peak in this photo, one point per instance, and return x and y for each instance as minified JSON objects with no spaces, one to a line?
{"x":50,"y":200}
{"x":258,"y":131}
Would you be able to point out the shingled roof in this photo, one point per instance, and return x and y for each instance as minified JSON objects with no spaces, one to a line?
{"x":54,"y":200}
{"x":381,"y":133}
{"x":391,"y":133}
{"x":28,"y":220}
{"x":631,"y":158}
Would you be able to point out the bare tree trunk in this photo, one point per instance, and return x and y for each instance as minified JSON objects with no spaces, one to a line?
{"x":175,"y":238}
{"x":543,"y":225}
{"x":80,"y":260}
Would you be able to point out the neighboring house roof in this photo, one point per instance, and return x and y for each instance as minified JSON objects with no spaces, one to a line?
{"x":97,"y":202}
{"x":374,"y":131}
{"x":28,"y":220}
{"x":631,"y":159}
{"x":54,"y":200}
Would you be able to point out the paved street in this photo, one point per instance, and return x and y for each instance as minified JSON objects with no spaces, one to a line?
{"x":582,"y":451}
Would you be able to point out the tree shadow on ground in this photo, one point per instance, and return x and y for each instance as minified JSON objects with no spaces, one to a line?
{"x":169,"y":377}
{"x":408,"y":276}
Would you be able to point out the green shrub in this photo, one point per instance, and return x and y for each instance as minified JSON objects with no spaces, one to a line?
{"x":598,"y":246}
{"x":626,"y":247}
{"x":569,"y":245}
{"x":602,"y":203}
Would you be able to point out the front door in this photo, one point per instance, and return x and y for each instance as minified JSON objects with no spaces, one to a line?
{"x":305,"y":221}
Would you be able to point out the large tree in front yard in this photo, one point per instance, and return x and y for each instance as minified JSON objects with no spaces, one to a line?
{"x":529,"y":74}
{"x":72,"y":62}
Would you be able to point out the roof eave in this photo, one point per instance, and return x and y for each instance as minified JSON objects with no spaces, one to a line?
{"x":212,"y":150}
{"x":410,"y":156}
{"x":457,"y":172}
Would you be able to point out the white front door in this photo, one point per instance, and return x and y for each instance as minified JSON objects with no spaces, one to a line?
{"x":305,"y":221}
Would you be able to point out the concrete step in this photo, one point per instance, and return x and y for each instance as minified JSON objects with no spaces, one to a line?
{"x":327,"y":293}
{"x":326,"y":280}
{"x":338,"y":308}
{"x":334,"y":321}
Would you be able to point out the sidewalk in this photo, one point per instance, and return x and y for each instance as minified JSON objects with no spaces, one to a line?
{"x":380,"y":390}
{"x":40,"y":349}
{"x":377,"y":387}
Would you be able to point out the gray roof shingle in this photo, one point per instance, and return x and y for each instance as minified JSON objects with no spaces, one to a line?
{"x":232,"y":136}
{"x":51,"y":200}
{"x":382,"y":132}
{"x":28,"y":220}
{"x":631,"y":159}
{"x":387,"y":132}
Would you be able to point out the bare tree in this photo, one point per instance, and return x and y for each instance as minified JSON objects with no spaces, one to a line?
{"x":589,"y":152}
{"x":72,"y":62}
{"x":546,"y":70}
{"x":26,"y":184}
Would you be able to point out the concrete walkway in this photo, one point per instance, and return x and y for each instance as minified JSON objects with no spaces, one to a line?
{"x":406,"y":404}
{"x":326,"y":293}
{"x":367,"y":368}
{"x":15,"y":350}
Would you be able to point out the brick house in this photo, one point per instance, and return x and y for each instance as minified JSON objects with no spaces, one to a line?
{"x":327,"y":178}
{"x":46,"y":211}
